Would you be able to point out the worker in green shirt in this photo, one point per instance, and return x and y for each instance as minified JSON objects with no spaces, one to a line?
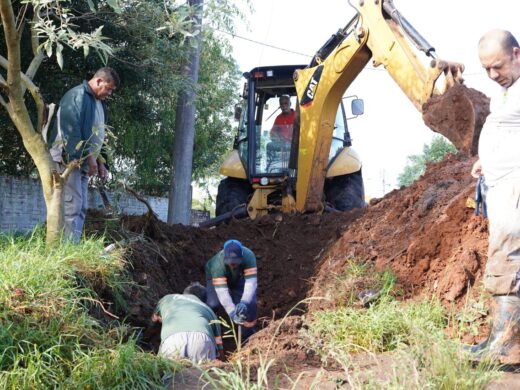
{"x":190,"y":329}
{"x":231,"y":282}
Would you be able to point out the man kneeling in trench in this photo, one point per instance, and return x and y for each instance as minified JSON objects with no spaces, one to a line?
{"x":190,"y":329}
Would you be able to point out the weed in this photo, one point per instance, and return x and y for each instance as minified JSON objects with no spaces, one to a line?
{"x":48,"y":339}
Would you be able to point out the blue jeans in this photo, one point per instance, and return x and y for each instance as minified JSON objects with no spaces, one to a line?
{"x":75,"y":197}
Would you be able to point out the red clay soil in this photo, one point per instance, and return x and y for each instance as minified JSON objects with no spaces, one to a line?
{"x":459,"y":115}
{"x":424,"y":234}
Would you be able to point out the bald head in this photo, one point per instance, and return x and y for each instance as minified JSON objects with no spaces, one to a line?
{"x":500,"y":56}
{"x":501,"y":38}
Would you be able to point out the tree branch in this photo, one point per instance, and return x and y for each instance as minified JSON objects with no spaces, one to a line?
{"x":140,"y":198}
{"x":20,"y":19}
{"x":33,"y":89}
{"x":12,"y":40}
{"x":37,"y":51}
{"x":74,"y":164}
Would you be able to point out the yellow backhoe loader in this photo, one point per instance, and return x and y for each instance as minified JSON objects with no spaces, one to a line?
{"x":317,"y":168}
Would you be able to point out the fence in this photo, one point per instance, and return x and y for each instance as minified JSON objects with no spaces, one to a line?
{"x":22,"y":206}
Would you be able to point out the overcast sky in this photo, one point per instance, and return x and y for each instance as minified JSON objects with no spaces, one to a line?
{"x":391,"y":128}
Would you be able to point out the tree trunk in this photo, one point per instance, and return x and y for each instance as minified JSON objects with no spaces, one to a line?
{"x":32,"y":140}
{"x":52,"y":182}
{"x":179,"y":204}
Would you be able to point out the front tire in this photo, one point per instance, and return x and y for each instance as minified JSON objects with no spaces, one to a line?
{"x":231,"y":193}
{"x":346,"y":192}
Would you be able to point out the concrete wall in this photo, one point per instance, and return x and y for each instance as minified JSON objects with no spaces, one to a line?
{"x":22,"y":205}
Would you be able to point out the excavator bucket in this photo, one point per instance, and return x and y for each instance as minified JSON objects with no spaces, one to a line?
{"x":459,"y":113}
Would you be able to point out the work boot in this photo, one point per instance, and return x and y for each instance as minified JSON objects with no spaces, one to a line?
{"x":503,"y":343}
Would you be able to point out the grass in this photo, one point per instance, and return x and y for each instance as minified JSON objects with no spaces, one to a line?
{"x":406,"y":343}
{"x":48,"y":336}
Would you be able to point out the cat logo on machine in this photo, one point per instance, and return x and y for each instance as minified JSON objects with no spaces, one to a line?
{"x":310,"y":91}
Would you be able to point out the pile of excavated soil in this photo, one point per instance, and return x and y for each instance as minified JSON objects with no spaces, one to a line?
{"x":424,"y":234}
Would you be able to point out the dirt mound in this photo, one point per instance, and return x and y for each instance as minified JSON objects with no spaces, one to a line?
{"x":424,"y":233}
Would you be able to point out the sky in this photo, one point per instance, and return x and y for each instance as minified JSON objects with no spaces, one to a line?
{"x":391,"y":128}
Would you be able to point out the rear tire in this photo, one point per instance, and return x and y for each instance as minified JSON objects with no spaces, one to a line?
{"x":346,"y":192}
{"x":231,"y":193}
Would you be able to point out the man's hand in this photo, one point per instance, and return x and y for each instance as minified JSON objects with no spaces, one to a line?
{"x":92,"y":166}
{"x":241,"y":309}
{"x":236,"y":318}
{"x":156,"y":317}
{"x":476,"y":170}
{"x":102,"y":171}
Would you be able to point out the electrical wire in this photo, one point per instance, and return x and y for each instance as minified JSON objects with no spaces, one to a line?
{"x":262,"y":43}
{"x":303,"y":54}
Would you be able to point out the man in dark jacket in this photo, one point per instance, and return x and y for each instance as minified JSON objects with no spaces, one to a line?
{"x":79,"y":135}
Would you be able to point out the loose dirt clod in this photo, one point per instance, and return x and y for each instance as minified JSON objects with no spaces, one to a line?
{"x":459,"y":115}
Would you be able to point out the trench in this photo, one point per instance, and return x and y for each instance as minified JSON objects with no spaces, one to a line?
{"x":164,"y":259}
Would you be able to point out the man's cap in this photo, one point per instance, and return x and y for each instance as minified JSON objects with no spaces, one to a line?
{"x":233,"y":253}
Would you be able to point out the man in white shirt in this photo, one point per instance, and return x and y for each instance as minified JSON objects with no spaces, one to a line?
{"x":499,"y":162}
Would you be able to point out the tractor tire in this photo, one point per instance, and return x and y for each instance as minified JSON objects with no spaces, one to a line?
{"x":346,"y":192}
{"x":231,"y":193}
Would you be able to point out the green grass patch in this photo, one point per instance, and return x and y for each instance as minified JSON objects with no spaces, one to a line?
{"x":405,"y":343}
{"x":358,"y":278}
{"x":384,"y":326}
{"x":48,"y":338}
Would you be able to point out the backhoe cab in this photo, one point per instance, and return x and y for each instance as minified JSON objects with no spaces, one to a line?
{"x":260,"y":170}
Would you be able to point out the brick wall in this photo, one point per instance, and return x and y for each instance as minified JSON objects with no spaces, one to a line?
{"x":22,"y":205}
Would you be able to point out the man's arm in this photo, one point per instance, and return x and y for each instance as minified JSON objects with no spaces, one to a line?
{"x":249,"y":290}
{"x":224,"y":297}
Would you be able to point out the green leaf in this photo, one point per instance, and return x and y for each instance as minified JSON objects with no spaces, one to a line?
{"x":91,"y":5}
{"x":59,"y":55}
{"x":48,"y":48}
{"x":115,"y":5}
{"x":79,"y":145}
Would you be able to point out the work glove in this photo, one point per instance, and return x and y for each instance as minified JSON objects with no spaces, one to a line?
{"x":241,"y":309}
{"x":237,"y":318}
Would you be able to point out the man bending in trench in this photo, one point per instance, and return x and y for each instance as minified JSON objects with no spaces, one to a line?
{"x":231,"y":282}
{"x":190,"y":329}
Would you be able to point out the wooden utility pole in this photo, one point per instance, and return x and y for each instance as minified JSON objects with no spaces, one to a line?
{"x":179,"y":204}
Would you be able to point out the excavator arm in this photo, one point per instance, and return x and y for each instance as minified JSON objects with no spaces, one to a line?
{"x":380,"y":33}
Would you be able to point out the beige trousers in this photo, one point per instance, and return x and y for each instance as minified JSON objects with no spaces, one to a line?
{"x":503,"y":205}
